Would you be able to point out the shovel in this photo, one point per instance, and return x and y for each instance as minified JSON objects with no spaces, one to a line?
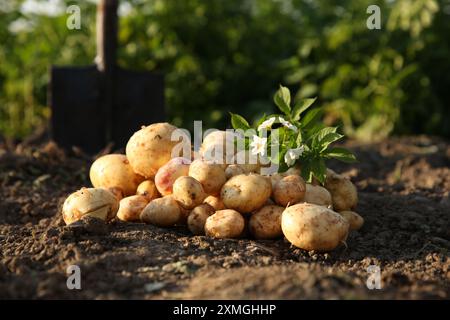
{"x":93,"y":106}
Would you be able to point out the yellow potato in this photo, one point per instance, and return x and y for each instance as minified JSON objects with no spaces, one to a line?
{"x":225,"y":224}
{"x":95,"y":202}
{"x":188,"y":192}
{"x":343,"y":192}
{"x":246,"y":192}
{"x":162,"y":212}
{"x":148,"y":189}
{"x":218,"y":147}
{"x":233,"y":170}
{"x":247,"y":161}
{"x":117,"y":192}
{"x":210,"y":175}
{"x":317,"y":195}
{"x":168,"y":173}
{"x":355,"y":220}
{"x":114,"y":171}
{"x":289,"y":190}
{"x":266,"y":222}
{"x":197,"y":218}
{"x":313,"y":227}
{"x":130,"y":208}
{"x":214,"y":202}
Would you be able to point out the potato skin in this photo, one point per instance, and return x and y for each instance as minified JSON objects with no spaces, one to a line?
{"x":150,"y":148}
{"x":148,"y":189}
{"x":355,"y":220}
{"x":266,"y":222}
{"x":162,"y":212}
{"x":317,"y":195}
{"x":233,"y":170}
{"x":312,"y":227}
{"x":226,"y":223}
{"x":289,"y":190}
{"x":96,"y":202}
{"x":168,"y":173}
{"x":218,"y":141}
{"x":130,"y":208}
{"x":214,"y":202}
{"x":188,"y":192}
{"x":114,"y":171}
{"x":343,"y":191}
{"x":197,"y":218}
{"x":246,"y":192}
{"x":210,"y":175}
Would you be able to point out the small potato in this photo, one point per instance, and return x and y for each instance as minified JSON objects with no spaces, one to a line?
{"x":246,"y":192}
{"x":275,"y":178}
{"x":266,"y":222}
{"x":343,"y":192}
{"x":210,"y":175}
{"x":214,"y":202}
{"x":233,"y":170}
{"x":168,"y":173}
{"x":312,"y":227}
{"x":218,"y":147}
{"x":148,"y":189}
{"x":130,"y":208}
{"x":225,"y":224}
{"x":317,"y":195}
{"x":94,"y":202}
{"x":188,"y":192}
{"x":114,"y":171}
{"x":354,"y":219}
{"x":197,"y":218}
{"x":247,"y":161}
{"x":289,"y":190}
{"x":162,"y":212}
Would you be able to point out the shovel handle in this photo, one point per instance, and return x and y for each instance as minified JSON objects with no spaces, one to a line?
{"x":106,"y":35}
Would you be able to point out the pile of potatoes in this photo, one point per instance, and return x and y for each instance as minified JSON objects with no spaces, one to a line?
{"x":217,"y":200}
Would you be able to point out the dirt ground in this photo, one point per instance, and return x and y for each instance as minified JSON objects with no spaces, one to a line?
{"x":403,"y":185}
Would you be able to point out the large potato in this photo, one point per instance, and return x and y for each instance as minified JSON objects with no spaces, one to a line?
{"x":130,"y":208}
{"x":266,"y":222}
{"x":197,"y":218}
{"x":95,"y":202}
{"x":114,"y":171}
{"x":289,"y":190}
{"x":214,"y":202}
{"x":218,"y":146}
{"x":168,"y":173}
{"x":313,"y":227}
{"x":246,"y":192}
{"x":317,"y":195}
{"x":148,"y":189}
{"x":210,"y":175}
{"x":162,"y":212}
{"x":188,"y":192}
{"x":355,"y":220}
{"x":343,"y":192}
{"x":225,"y":224}
{"x":151,"y":147}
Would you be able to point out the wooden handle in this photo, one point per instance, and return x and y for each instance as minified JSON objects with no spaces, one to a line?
{"x":106,"y":34}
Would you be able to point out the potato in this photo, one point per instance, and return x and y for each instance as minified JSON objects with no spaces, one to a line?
{"x":197,"y":218}
{"x":114,"y":171}
{"x":117,"y":192}
{"x":210,"y":175}
{"x":233,"y":170}
{"x":343,"y":192}
{"x":266,"y":222}
{"x":215,"y":145}
{"x":247,"y":161}
{"x":289,"y":190}
{"x":150,"y":148}
{"x":214,"y":202}
{"x":168,"y":173}
{"x":188,"y":192}
{"x":313,"y":227}
{"x":226,"y":223}
{"x":246,"y":192}
{"x":148,"y":189}
{"x":95,"y":202}
{"x":355,"y":220}
{"x":275,"y":178}
{"x":162,"y":212}
{"x":130,"y":208}
{"x":317,"y":195}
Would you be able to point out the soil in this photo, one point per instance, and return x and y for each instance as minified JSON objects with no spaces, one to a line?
{"x":403,"y":186}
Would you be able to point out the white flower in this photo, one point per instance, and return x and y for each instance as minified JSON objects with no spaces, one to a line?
{"x":258,"y":145}
{"x":267,"y":124}
{"x":292,"y":155}
{"x":287,"y":124}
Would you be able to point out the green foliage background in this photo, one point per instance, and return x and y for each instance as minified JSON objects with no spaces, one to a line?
{"x":221,"y":56}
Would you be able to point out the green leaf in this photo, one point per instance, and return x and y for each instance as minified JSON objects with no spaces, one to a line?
{"x":238,"y":122}
{"x":311,"y":118}
{"x":329,"y":139}
{"x":341,"y":154}
{"x":306,"y":171}
{"x":282,"y":99}
{"x":301,"y":107}
{"x":319,"y":169}
{"x":299,"y":139}
{"x":321,"y":134}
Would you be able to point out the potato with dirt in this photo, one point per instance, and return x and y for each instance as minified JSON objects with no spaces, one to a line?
{"x":95,"y":202}
{"x":313,"y":227}
{"x":162,"y":212}
{"x":343,"y":191}
{"x":210,"y":175}
{"x":214,"y":202}
{"x":130,"y":208}
{"x":151,"y":147}
{"x":355,"y":220}
{"x":289,"y":190}
{"x":226,"y":223}
{"x":219,"y":147}
{"x":114,"y":171}
{"x":148,"y":189}
{"x":246,"y":192}
{"x":265,"y":223}
{"x":188,"y":192}
{"x":168,"y":173}
{"x":318,"y":195}
{"x":197,"y":218}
